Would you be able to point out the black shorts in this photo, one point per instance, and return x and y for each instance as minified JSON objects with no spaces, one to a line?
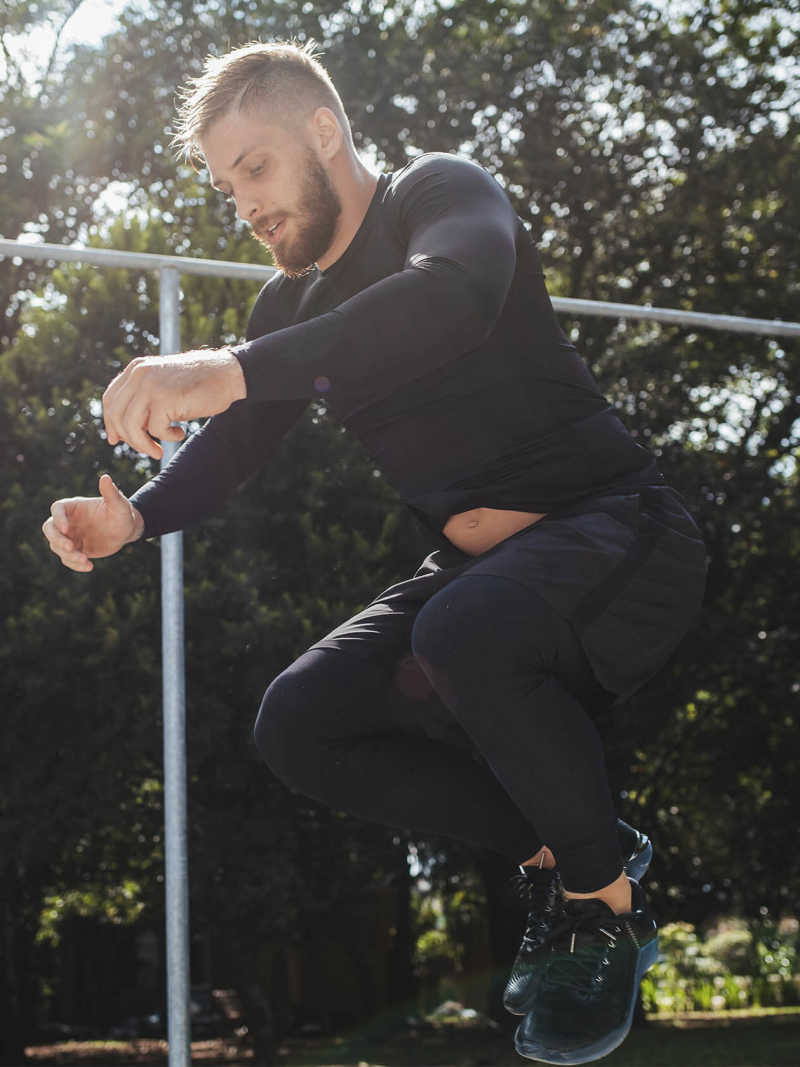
{"x":627,"y":571}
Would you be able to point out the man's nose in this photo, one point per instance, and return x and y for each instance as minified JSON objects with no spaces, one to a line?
{"x":247,"y":210}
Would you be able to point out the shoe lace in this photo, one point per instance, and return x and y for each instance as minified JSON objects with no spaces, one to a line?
{"x":577,"y":965}
{"x":533,"y":897}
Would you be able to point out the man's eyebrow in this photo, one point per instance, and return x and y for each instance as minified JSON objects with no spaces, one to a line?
{"x":235,"y":164}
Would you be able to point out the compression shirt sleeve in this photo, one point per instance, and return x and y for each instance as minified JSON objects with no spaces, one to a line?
{"x":215,"y":459}
{"x":461,"y":233}
{"x":209,"y":465}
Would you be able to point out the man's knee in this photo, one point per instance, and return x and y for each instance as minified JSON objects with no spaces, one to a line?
{"x":281,"y":724}
{"x":481,"y":616}
{"x":484,"y":632}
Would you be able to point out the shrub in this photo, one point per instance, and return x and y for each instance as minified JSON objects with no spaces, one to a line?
{"x":742,"y":964}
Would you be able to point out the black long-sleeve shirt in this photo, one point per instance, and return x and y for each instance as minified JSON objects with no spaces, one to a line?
{"x":433,"y":339}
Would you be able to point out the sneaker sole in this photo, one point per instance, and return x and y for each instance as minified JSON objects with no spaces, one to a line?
{"x":598,"y":1049}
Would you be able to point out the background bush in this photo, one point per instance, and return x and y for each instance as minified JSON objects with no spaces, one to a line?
{"x":743,"y":964}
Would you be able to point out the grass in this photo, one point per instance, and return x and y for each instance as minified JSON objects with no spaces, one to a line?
{"x":750,"y":1041}
{"x":729,"y":1039}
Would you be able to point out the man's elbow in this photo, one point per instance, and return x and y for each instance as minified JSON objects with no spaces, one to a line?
{"x":474,"y":297}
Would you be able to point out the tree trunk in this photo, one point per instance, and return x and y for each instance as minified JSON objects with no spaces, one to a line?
{"x":259,"y":1022}
{"x":402,"y":984}
{"x":506,"y":926}
{"x":19,"y":994}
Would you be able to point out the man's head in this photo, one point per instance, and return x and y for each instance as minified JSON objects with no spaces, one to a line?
{"x":269,"y":124}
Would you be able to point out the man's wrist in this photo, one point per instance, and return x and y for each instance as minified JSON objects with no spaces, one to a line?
{"x":238,"y":384}
{"x":138,"y":526}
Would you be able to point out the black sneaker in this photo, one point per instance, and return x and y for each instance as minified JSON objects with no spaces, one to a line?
{"x":585,"y":998}
{"x":540,"y":889}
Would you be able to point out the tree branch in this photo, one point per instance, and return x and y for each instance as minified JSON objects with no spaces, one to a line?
{"x":10,"y":64}
{"x":54,"y":52}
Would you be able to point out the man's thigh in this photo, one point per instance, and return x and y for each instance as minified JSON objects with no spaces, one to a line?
{"x":626,"y":571}
{"x":364,"y":672}
{"x":381,"y":632}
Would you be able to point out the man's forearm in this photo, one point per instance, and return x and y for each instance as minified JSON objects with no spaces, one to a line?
{"x":208,"y":466}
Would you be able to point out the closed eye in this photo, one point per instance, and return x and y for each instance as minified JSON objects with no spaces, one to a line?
{"x":253,"y":172}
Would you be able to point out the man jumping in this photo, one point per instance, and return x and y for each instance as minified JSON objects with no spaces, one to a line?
{"x":460,"y":701}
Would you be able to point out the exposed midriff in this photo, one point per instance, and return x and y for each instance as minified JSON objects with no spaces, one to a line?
{"x":480,"y":529}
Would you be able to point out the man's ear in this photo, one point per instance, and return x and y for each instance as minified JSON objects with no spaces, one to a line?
{"x":327,"y":132}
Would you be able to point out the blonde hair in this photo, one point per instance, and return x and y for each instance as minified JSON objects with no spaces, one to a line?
{"x":282,"y":80}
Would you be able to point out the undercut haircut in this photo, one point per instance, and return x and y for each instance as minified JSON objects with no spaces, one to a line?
{"x":282,"y":82}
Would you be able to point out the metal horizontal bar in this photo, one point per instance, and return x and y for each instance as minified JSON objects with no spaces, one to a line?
{"x":109,"y":257}
{"x":677,"y":317}
{"x":223,"y":269}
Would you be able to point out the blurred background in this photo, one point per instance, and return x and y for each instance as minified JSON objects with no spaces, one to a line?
{"x":652,"y":149}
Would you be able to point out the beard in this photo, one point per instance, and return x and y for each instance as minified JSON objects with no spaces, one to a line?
{"x":314,"y":220}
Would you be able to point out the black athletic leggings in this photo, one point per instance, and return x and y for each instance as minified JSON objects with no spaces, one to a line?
{"x":464,"y":717}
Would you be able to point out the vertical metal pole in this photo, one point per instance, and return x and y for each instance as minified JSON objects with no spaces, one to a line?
{"x":172,"y":653}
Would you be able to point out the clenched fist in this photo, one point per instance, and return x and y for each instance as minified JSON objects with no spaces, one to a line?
{"x":82,"y":528}
{"x":154,"y":391}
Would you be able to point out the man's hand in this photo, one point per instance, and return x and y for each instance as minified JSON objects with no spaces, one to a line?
{"x":81,"y":528}
{"x":154,"y":391}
